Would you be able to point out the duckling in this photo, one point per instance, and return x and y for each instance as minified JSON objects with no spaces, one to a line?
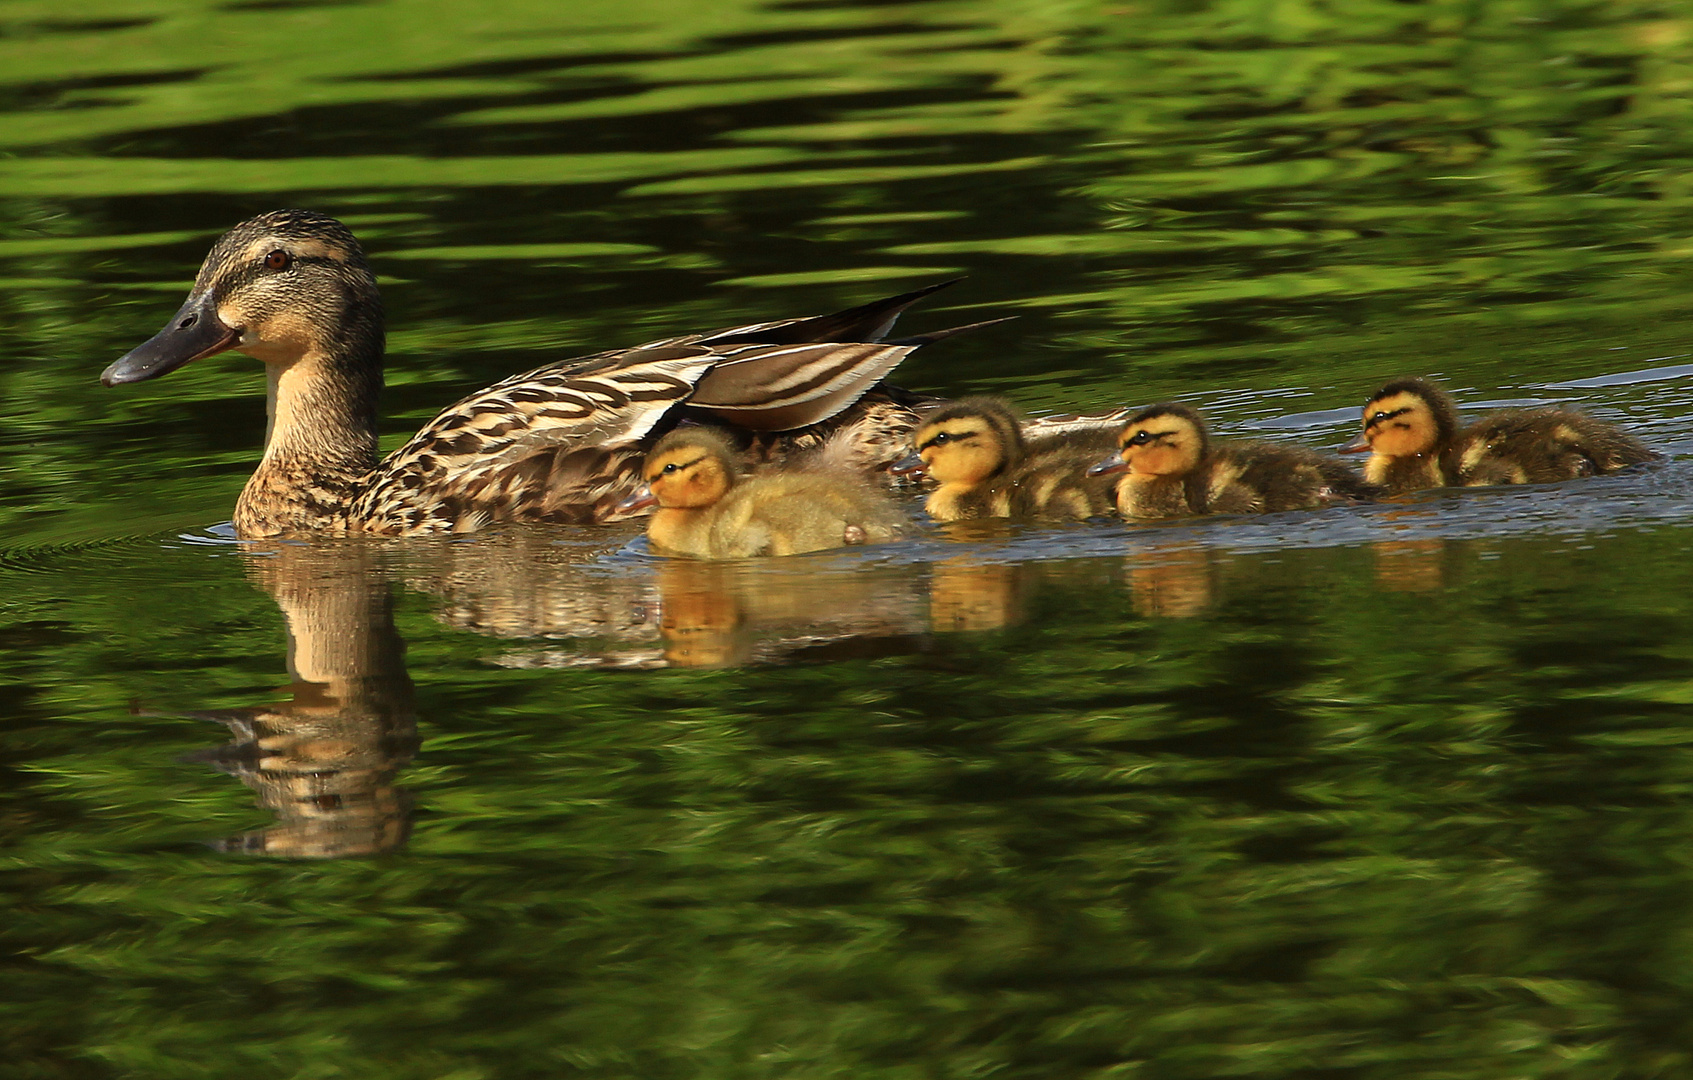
{"x":1410,"y":429}
{"x":706,"y":510}
{"x":1412,"y":435}
{"x":562,"y":443}
{"x":1174,"y":469}
{"x":986,"y":467}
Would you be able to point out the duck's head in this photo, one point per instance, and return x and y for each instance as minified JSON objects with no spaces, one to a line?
{"x":279,"y":287}
{"x":1407,"y":418}
{"x":689,"y":469}
{"x":1160,"y":440}
{"x":966,"y":443}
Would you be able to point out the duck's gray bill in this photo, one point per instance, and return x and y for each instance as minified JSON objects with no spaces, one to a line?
{"x":193,"y":332}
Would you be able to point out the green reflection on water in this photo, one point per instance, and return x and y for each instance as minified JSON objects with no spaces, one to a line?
{"x":1339,"y":804}
{"x":1415,"y":809}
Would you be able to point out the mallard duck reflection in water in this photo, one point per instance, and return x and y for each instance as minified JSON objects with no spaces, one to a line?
{"x":1412,"y":435}
{"x":562,"y":443}
{"x":706,"y":510}
{"x":1175,"y":469}
{"x":986,"y":467}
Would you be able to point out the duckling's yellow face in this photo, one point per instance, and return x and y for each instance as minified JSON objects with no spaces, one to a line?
{"x":1400,"y":425}
{"x":1162,"y":445}
{"x":687,"y":476}
{"x":961,"y":449}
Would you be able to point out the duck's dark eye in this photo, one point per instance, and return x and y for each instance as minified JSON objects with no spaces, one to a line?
{"x":1378,"y":418}
{"x":671,"y":468}
{"x":278,"y":260}
{"x":940,"y":440}
{"x":1141,"y":438}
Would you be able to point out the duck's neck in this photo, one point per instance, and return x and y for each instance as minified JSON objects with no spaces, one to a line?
{"x":320,"y":441}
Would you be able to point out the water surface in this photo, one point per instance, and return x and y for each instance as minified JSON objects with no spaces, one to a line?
{"x":1394,"y":792}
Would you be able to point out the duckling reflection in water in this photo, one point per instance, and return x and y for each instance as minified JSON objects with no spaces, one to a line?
{"x":1412,"y":435}
{"x":1410,"y":565}
{"x":968,"y":595}
{"x":1174,"y":583}
{"x":976,"y":451}
{"x":702,"y":619}
{"x":1174,"y":469}
{"x":707,"y":511}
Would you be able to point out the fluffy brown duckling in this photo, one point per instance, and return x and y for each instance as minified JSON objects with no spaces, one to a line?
{"x":706,"y":510}
{"x":1175,"y":469}
{"x":1412,"y":435}
{"x":976,"y":451}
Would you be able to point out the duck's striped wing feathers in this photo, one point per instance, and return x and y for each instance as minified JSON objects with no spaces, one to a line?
{"x":510,"y":452}
{"x":562,"y":442}
{"x":783,"y":387}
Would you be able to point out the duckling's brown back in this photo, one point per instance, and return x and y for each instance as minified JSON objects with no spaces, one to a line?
{"x":791,"y":513}
{"x":1537,"y":446}
{"x":1267,"y":478}
{"x":1053,"y":481}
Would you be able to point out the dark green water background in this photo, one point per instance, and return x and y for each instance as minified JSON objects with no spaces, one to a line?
{"x":1402,"y":793}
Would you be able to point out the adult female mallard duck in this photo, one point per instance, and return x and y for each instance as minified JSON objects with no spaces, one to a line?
{"x":1175,"y":469}
{"x":562,"y":443}
{"x":706,"y":510}
{"x":987,"y":465}
{"x":1412,"y":435}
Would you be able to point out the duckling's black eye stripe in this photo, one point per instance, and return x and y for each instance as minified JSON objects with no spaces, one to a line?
{"x":687,"y":464}
{"x":936,"y":437}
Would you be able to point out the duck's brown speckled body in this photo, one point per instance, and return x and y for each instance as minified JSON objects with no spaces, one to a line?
{"x":1412,"y":433}
{"x":562,"y":443}
{"x":705,"y":509}
{"x":988,"y":465}
{"x":1174,"y":469}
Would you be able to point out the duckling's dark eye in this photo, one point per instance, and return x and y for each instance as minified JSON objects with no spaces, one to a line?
{"x":1141,"y":438}
{"x":671,"y":468}
{"x":1378,"y":418}
{"x":940,"y":440}
{"x":278,"y":260}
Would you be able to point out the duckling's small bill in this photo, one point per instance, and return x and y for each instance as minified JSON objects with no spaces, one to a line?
{"x":1112,"y":464}
{"x":909,"y":465}
{"x":641,"y":499}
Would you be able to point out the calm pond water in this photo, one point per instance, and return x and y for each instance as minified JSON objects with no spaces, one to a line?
{"x":1400,"y":792}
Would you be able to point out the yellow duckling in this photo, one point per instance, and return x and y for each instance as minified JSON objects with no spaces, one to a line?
{"x":1174,"y":469}
{"x":976,"y":451}
{"x":707,"y":511}
{"x":1412,"y":435}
